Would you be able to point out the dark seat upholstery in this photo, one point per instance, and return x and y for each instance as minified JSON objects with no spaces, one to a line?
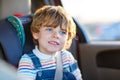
{"x":26,"y":21}
{"x":10,"y":47}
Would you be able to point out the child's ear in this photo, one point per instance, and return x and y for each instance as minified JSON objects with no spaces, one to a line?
{"x":35,"y":35}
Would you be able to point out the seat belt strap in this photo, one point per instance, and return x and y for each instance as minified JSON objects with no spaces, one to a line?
{"x":59,"y":67}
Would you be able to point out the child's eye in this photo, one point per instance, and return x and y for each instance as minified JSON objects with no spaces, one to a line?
{"x":49,"y":29}
{"x":62,"y":32}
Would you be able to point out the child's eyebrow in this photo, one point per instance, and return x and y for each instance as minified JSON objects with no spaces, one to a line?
{"x":64,"y":29}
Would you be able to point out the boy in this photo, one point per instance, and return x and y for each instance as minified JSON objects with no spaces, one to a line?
{"x":53,"y":30}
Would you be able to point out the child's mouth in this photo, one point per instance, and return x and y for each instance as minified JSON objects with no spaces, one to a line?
{"x":53,"y":42}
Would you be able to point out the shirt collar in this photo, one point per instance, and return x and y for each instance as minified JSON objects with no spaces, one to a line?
{"x":42,"y":55}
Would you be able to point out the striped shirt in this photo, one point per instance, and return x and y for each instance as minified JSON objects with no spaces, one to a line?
{"x":27,"y":71}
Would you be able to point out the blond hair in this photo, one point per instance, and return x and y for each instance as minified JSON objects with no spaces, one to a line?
{"x":54,"y":16}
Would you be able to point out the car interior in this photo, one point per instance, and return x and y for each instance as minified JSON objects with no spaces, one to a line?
{"x":97,"y":61}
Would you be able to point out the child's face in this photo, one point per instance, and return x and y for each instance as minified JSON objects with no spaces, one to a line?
{"x":51,"y":39}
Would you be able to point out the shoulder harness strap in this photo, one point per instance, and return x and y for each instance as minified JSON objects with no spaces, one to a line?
{"x":35,"y":60}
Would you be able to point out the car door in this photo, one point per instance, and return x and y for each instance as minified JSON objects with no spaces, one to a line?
{"x":100,"y":61}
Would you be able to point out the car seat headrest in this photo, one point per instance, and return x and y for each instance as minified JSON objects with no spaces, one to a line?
{"x":15,"y":37}
{"x":26,"y":21}
{"x":18,"y":27}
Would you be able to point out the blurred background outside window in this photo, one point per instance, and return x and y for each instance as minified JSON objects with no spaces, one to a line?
{"x":100,"y":18}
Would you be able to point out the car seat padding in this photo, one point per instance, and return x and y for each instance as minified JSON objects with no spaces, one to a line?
{"x":10,"y":42}
{"x":18,"y":27}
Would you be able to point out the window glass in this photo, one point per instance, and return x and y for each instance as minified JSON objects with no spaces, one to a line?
{"x":100,"y":18}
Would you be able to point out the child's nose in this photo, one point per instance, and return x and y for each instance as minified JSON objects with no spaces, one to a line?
{"x":56,"y":34}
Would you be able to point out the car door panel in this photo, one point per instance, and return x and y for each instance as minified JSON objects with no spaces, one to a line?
{"x":93,"y":64}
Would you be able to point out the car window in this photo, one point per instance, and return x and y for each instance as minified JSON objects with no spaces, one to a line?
{"x":100,"y":18}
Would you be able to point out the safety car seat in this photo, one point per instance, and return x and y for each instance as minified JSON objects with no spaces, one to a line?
{"x":15,"y":38}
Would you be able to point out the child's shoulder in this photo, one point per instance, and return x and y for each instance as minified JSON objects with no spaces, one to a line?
{"x":25,"y":57}
{"x":66,"y":53}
